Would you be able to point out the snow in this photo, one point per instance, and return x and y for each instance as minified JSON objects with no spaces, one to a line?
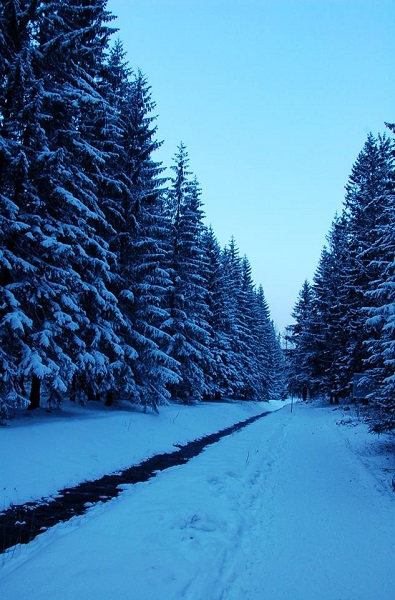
{"x":297,"y":506}
{"x":44,"y":452}
{"x":17,"y":321}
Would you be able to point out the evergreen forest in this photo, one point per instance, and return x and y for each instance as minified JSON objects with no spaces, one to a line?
{"x":342,"y":343}
{"x":112,"y":288}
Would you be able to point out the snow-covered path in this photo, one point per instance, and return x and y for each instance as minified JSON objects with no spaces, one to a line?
{"x":281,"y":510}
{"x":319,"y":528}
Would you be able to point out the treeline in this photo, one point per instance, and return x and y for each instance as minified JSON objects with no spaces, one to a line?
{"x":344,"y":331}
{"x":111,"y":286}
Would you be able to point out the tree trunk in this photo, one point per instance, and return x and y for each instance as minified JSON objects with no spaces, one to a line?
{"x":35,"y":393}
{"x":109,"y":398}
{"x":73,"y":388}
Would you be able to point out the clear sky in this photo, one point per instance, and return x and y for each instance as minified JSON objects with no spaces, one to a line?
{"x":274,"y":100}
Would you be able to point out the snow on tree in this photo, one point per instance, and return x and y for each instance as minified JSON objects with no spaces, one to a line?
{"x":233,"y":278}
{"x":30,"y":345}
{"x":332,"y":366}
{"x":51,"y":93}
{"x":110,"y":285}
{"x":301,"y":344}
{"x":255,"y":359}
{"x":269,"y":354}
{"x":16,"y":78}
{"x":350,"y":329}
{"x":380,"y":307}
{"x":221,"y":370}
{"x":187,"y":324}
{"x":364,"y":203}
{"x":134,"y":207}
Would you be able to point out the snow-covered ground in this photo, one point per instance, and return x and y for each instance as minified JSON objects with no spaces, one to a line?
{"x":295,"y":506}
{"x":44,"y":452}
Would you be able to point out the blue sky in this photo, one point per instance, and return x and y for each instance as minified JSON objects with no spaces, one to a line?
{"x":274,"y":100}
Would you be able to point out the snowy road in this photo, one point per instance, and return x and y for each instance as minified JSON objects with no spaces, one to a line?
{"x":283,"y":510}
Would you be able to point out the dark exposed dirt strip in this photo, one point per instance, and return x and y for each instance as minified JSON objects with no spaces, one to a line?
{"x":22,"y":523}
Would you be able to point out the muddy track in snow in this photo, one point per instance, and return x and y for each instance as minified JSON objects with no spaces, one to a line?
{"x":22,"y":523}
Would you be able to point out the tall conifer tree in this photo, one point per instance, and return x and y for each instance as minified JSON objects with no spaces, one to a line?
{"x":64,"y":293}
{"x":380,"y":309}
{"x":188,"y":312}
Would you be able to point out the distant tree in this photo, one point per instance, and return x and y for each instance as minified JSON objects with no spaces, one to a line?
{"x":254,"y":359}
{"x":300,"y":338}
{"x":280,"y":386}
{"x":269,"y":354}
{"x":248,"y":339}
{"x":232,"y":268}
{"x":219,"y":371}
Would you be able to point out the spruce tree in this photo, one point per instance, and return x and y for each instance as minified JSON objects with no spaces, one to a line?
{"x":187,"y":324}
{"x":134,"y":207}
{"x":29,"y":330}
{"x":266,"y":362}
{"x":301,"y":344}
{"x":73,"y":39}
{"x":270,"y":355}
{"x":364,"y":204}
{"x":249,"y":342}
{"x":381,"y":303}
{"x":52,"y":92}
{"x":14,"y":321}
{"x":350,"y":280}
{"x":233,"y":277}
{"x":221,"y":373}
{"x":330,"y":361}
